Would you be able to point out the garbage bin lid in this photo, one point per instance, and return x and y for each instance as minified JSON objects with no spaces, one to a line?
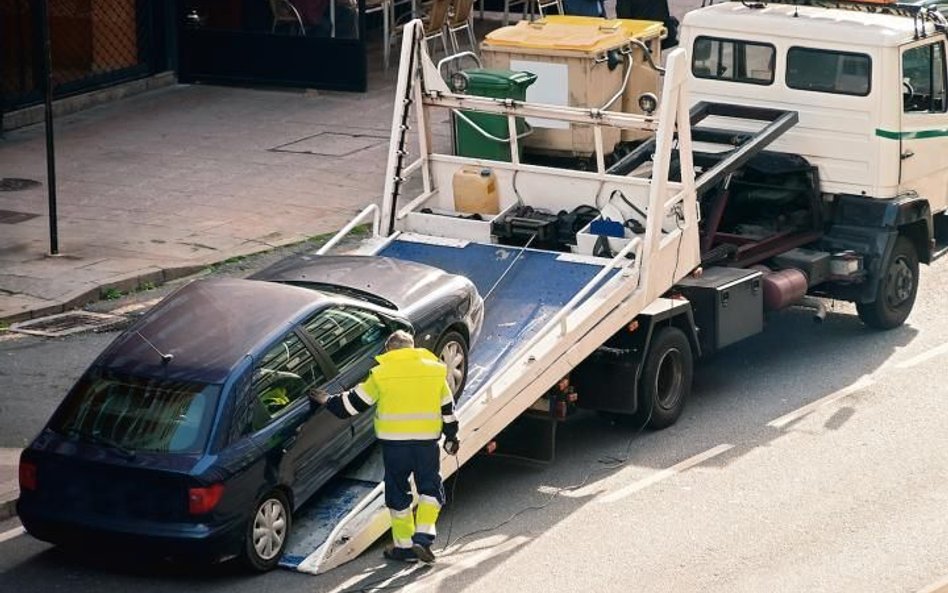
{"x":572,"y":33}
{"x":487,"y":78}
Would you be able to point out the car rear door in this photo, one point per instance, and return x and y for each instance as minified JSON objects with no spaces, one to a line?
{"x":299,"y":442}
{"x":350,"y":337}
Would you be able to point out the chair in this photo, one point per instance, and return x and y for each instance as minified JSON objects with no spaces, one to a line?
{"x":528,"y":5}
{"x":434,"y":25}
{"x":461,"y":19}
{"x":284,"y":13}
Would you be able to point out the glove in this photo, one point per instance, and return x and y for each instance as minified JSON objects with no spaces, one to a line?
{"x":318,"y":396}
{"x":451,"y":446}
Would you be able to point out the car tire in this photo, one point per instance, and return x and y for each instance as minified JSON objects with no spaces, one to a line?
{"x":268,"y":530}
{"x":452,"y":350}
{"x":666,"y":378}
{"x":897,"y":289}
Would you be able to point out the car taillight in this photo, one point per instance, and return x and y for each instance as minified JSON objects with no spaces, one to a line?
{"x":203,"y":500}
{"x":27,"y":475}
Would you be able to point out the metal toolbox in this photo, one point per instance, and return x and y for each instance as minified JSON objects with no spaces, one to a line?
{"x":728,"y":305}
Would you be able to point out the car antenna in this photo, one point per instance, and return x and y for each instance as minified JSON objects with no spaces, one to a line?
{"x":165,"y":358}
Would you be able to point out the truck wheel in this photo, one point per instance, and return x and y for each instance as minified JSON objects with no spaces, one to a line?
{"x":898,"y":285}
{"x":452,"y":350}
{"x":267,"y":532}
{"x":666,"y":378}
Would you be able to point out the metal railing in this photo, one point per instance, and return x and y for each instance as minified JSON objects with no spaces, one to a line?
{"x":371,"y":209}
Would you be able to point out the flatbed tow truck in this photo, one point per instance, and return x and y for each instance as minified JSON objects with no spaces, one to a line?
{"x":696,"y":262}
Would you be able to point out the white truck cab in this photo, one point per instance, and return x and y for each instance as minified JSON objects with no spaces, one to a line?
{"x":869,"y":86}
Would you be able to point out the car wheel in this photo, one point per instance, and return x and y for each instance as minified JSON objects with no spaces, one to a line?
{"x":452,"y":350}
{"x":666,"y":378}
{"x":267,"y":532}
{"x":898,"y":286}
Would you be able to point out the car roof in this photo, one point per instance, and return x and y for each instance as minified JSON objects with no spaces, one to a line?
{"x":807,"y":23}
{"x":208,"y":327}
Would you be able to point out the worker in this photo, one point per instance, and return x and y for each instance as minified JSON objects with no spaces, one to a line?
{"x":414,"y":407}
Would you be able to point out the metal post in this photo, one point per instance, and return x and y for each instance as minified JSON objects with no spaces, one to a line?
{"x":50,"y":150}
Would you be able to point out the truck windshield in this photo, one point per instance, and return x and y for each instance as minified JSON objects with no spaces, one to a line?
{"x":138,"y":414}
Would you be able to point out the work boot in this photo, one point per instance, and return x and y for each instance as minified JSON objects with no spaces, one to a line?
{"x":423,"y":552}
{"x":400,"y":554}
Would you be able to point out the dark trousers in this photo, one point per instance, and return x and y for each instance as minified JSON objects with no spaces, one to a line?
{"x":421,"y":459}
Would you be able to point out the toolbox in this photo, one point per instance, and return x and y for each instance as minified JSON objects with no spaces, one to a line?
{"x":728,"y":305}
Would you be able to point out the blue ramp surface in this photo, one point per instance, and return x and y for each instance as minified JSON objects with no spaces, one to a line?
{"x":536,"y":288}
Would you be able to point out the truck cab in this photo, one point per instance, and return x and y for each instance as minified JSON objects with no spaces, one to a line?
{"x":869,"y":85}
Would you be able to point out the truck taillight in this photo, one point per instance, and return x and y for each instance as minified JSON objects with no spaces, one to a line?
{"x":27,"y":476}
{"x":203,"y":500}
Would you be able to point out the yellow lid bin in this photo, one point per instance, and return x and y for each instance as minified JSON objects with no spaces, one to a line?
{"x":571,"y":57}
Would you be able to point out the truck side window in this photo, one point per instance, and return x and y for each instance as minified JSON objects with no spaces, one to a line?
{"x":923,"y":78}
{"x":827,"y":71}
{"x":733,"y":60}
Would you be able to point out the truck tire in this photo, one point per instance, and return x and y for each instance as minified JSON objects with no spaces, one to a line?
{"x":898,"y":286}
{"x":666,"y":378}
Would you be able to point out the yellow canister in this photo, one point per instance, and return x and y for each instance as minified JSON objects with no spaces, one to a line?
{"x":475,"y":190}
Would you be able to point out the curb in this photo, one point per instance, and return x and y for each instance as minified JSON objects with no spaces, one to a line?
{"x":8,"y":507}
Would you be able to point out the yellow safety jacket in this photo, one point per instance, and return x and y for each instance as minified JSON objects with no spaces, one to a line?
{"x":409,"y":387}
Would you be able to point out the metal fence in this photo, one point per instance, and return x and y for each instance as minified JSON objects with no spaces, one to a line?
{"x":93,"y":43}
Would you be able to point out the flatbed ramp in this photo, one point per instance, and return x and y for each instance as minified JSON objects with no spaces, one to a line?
{"x":525,"y":289}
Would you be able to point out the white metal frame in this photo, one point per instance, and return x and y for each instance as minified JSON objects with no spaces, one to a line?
{"x":620,"y":291}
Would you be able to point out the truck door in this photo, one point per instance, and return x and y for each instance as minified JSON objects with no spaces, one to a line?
{"x":924,"y":133}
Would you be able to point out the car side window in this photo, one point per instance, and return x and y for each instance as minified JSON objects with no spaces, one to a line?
{"x":923,"y":79}
{"x":348,"y":334}
{"x":283,"y":375}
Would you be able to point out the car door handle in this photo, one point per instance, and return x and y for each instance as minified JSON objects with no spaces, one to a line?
{"x":907,"y":154}
{"x":291,"y":440}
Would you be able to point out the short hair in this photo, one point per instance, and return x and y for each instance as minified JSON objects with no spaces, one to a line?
{"x":399,"y":339}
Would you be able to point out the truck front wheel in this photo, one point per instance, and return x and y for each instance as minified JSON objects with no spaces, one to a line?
{"x":666,"y":378}
{"x":897,"y":287}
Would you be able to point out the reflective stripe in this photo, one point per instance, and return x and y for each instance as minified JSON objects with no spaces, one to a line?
{"x":427,"y":530}
{"x":449,"y":418}
{"x":398,"y":417}
{"x":424,"y":498}
{"x":363,"y":395}
{"x":402,"y":543}
{"x":399,"y":514}
{"x":348,"y":405}
{"x":408,"y":436}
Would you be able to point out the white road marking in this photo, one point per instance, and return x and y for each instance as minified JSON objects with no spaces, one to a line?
{"x":8,"y":535}
{"x":861,"y":383}
{"x":665,"y":474}
{"x":916,"y":360}
{"x":939,"y":587}
{"x":453,"y":563}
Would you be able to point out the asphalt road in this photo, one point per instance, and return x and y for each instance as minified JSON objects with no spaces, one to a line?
{"x":810,"y":458}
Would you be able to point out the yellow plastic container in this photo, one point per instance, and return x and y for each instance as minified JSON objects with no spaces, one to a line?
{"x":569,"y":56}
{"x":475,"y":190}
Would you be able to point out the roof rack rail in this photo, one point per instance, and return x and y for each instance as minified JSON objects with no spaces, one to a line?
{"x":921,"y":12}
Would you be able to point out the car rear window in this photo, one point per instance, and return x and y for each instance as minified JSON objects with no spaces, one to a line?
{"x":138,"y":414}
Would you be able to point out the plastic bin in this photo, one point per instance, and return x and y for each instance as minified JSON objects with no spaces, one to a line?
{"x":571,"y":57}
{"x":498,"y":84}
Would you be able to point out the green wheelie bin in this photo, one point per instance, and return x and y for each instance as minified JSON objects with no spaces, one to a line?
{"x":476,"y":142}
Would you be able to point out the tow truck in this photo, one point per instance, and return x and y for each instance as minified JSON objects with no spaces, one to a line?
{"x":796,"y":151}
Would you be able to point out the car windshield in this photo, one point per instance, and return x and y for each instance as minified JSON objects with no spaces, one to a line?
{"x":138,"y":414}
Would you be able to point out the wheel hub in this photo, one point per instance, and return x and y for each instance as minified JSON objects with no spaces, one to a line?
{"x":901,"y":283}
{"x":668,"y":381}
{"x":452,"y":355}
{"x":269,"y":529}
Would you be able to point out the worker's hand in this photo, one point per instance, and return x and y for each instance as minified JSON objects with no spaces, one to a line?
{"x":451,"y":446}
{"x":318,"y":396}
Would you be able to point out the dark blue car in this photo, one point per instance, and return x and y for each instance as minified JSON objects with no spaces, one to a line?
{"x":191,"y":435}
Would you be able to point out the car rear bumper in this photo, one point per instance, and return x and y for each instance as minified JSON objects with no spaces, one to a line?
{"x":199,"y":542}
